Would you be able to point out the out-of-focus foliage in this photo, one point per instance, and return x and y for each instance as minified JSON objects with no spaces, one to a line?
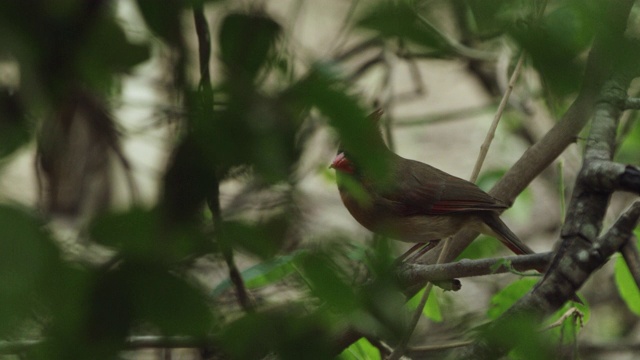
{"x":627,"y":286}
{"x":432,"y":308}
{"x":360,"y":350}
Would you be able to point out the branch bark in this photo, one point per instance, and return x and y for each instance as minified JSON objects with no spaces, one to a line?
{"x":412,"y":274}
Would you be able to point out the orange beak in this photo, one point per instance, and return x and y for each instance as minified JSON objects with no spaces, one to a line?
{"x":341,"y":163}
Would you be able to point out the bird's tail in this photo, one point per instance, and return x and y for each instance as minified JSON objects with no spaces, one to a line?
{"x":510,"y":240}
{"x":506,"y":236}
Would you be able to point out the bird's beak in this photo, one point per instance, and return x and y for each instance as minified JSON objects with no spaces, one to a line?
{"x":341,"y":163}
{"x":337,"y":161}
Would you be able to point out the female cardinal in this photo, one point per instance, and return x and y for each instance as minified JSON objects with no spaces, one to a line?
{"x":416,"y":202}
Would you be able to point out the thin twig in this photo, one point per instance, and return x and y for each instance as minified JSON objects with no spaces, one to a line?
{"x":362,"y":69}
{"x":445,"y":346}
{"x":213,"y":198}
{"x":340,"y":37}
{"x":484,"y":149}
{"x":573,"y":311}
{"x":445,"y":116}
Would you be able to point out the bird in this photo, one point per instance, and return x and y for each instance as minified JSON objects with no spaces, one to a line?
{"x":415,"y":202}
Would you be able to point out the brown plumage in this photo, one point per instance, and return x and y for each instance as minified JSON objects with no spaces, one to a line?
{"x":418,"y":203}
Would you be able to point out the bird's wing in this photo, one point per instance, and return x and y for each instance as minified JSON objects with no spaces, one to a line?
{"x":420,"y":189}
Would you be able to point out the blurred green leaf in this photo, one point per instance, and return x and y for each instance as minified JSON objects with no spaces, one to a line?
{"x":326,"y":282}
{"x":555,"y":43}
{"x":530,"y":343}
{"x":189,"y":179}
{"x":27,"y":259}
{"x":245,"y":42}
{"x":264,"y":238}
{"x":254,"y":130}
{"x":107,"y":49}
{"x":491,"y":17}
{"x":627,"y":286}
{"x":384,"y":302}
{"x":630,"y":146}
{"x":432,"y":307}
{"x":14,"y":131}
{"x":400,"y":20}
{"x":290,"y":334}
{"x":69,"y":298}
{"x":163,"y":19}
{"x":140,"y":234}
{"x":166,"y":301}
{"x":359,"y":135}
{"x":264,"y":273}
{"x":522,"y":206}
{"x":360,"y":350}
{"x":481,"y":248}
{"x":506,"y":297}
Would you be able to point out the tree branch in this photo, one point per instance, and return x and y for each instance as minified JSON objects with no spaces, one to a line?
{"x":415,"y":275}
{"x":205,"y":93}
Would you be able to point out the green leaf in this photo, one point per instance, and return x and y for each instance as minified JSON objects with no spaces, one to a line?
{"x":263,"y":274}
{"x":506,"y":297}
{"x":488,"y":17}
{"x":359,"y":135}
{"x":481,"y":248}
{"x":166,"y":301}
{"x":163,"y":19}
{"x":290,"y":333}
{"x":400,"y":20}
{"x":246,"y":41}
{"x":432,"y":307}
{"x":555,"y":43}
{"x":627,"y":286}
{"x":360,"y":350}
{"x":263,"y":238}
{"x":106,"y":51}
{"x":27,"y":259}
{"x":326,"y":282}
{"x":630,"y":147}
{"x":139,"y":234}
{"x":14,"y":131}
{"x":521,"y":333}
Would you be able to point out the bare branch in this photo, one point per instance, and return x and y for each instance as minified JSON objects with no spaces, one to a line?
{"x":609,"y":176}
{"x":417,"y":274}
{"x":213,"y":198}
{"x":484,"y":148}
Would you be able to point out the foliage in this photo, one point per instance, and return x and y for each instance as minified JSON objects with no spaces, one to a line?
{"x":627,"y":286}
